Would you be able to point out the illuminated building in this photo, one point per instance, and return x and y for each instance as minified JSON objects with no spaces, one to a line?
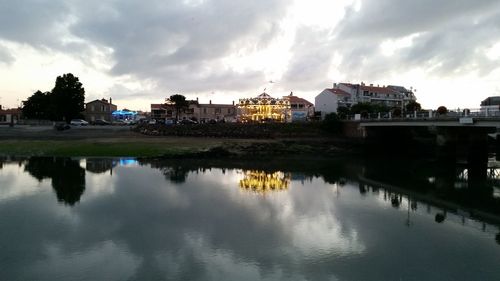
{"x":261,"y":182}
{"x":264,"y":108}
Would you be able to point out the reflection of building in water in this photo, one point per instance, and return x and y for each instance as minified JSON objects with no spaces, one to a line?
{"x":260,"y":181}
{"x":99,"y":165}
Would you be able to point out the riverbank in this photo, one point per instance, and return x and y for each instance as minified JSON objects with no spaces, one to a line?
{"x":92,"y":141}
{"x":172,"y":147}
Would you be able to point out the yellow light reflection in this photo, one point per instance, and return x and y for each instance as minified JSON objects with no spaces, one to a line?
{"x":262,"y":182}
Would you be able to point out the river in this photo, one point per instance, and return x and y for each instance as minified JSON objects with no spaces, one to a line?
{"x":339,"y":219}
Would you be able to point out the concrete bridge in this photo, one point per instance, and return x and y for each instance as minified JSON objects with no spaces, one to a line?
{"x":461,"y":134}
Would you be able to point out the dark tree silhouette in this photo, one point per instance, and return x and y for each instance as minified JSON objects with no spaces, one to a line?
{"x":179,"y":102}
{"x":68,"y":97}
{"x":442,"y":110}
{"x":38,"y":106}
{"x":68,"y":178}
{"x":65,"y":102}
{"x":176,"y":174}
{"x":413,"y":106}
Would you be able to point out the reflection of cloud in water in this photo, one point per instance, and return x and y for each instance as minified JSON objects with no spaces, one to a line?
{"x":105,"y":261}
{"x":219,"y":264}
{"x":13,"y":186}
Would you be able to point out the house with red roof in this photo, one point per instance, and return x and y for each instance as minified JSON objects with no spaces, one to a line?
{"x":301,"y":109}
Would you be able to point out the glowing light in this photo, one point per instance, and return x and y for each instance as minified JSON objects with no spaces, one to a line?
{"x":264,"y":108}
{"x":262,"y":182}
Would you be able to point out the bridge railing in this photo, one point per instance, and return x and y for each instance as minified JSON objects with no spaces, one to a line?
{"x":428,"y":115}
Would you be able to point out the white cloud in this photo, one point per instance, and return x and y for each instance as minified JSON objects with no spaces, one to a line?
{"x":223,"y":50}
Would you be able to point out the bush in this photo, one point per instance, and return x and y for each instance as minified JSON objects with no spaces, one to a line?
{"x":331,"y":123}
{"x":396,"y":112}
{"x":442,"y":110}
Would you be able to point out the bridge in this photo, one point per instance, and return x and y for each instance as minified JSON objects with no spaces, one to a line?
{"x":456,"y":133}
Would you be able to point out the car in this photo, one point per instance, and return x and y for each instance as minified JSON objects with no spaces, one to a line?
{"x":101,"y":122}
{"x":61,"y":126}
{"x":187,"y":122}
{"x":79,"y":122}
{"x":119,"y":123}
{"x":169,"y":121}
{"x":130,"y":122}
{"x":152,"y":122}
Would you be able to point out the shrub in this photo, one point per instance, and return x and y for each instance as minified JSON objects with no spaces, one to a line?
{"x":331,"y":123}
{"x":442,"y":110}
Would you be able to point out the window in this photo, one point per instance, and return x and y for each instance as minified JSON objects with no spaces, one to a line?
{"x":301,"y":105}
{"x":293,"y":105}
{"x":217,"y":110}
{"x":205,"y":110}
{"x":229,"y":111}
{"x":92,"y":108}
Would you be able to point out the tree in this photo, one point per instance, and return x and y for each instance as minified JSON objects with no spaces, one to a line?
{"x":343,"y":112}
{"x":64,"y":102}
{"x":179,"y":102}
{"x":37,"y":106}
{"x":68,"y":98}
{"x":413,"y":106}
{"x":442,"y":110}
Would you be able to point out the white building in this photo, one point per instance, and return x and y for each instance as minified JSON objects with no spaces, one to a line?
{"x":330,"y":100}
{"x":346,"y":94}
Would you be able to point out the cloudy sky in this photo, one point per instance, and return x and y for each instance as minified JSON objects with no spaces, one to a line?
{"x":140,"y":52}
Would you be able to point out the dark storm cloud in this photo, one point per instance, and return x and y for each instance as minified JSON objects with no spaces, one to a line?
{"x":178,"y":43}
{"x":451,"y":37}
{"x":33,"y":22}
{"x":171,"y":42}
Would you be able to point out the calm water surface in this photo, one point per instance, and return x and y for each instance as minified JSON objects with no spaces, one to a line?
{"x":123,"y":219}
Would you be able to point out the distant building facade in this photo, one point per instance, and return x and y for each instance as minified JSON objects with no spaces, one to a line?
{"x":301,"y":109}
{"x":491,"y":105}
{"x":347,"y":94}
{"x":100,"y":110}
{"x":11,"y":116}
{"x":202,"y":113}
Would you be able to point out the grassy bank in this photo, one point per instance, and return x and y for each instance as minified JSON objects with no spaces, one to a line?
{"x":111,"y":148}
{"x":172,"y":147}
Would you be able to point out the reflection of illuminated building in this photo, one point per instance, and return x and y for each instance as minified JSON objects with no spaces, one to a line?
{"x":260,"y":181}
{"x":264,"y":108}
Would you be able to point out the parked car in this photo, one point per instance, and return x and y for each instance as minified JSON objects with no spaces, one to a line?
{"x":169,"y":121}
{"x":78,"y":122}
{"x":187,"y":122}
{"x":101,"y":122}
{"x":152,"y":122}
{"x":119,"y":123}
{"x":61,"y":126}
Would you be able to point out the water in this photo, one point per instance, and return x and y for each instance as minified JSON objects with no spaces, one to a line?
{"x":124,"y":219}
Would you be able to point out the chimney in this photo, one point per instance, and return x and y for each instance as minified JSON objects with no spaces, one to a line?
{"x":233,"y":102}
{"x":210,"y":102}
{"x":371,"y":85}
{"x":197,"y":99}
{"x":110,"y":100}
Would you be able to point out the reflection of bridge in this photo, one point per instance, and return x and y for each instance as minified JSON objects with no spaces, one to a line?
{"x":437,"y":202}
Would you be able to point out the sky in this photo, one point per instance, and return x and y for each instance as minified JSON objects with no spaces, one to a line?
{"x":141,"y":52}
